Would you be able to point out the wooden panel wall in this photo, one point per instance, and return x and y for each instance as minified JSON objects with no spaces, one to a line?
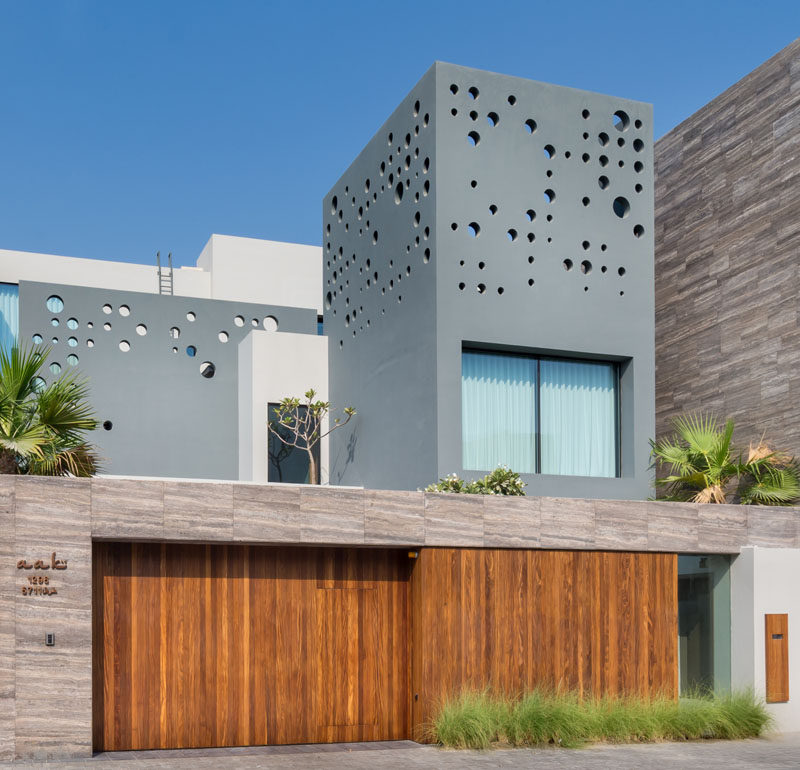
{"x":776,"y":657}
{"x":599,"y":622}
{"x":245,"y":645}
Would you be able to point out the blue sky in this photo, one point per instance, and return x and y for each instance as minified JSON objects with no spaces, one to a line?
{"x":129,"y":127}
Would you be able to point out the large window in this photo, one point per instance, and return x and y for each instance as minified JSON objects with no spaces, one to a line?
{"x":9,"y":315}
{"x":539,"y":415}
{"x":288,"y":464}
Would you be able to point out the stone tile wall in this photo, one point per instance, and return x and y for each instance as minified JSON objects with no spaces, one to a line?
{"x":45,"y":692}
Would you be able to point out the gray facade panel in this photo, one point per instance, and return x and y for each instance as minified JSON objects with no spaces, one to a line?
{"x":167,"y":418}
{"x":392,"y":370}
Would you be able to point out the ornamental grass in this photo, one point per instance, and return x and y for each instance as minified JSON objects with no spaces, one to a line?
{"x":480,"y":720}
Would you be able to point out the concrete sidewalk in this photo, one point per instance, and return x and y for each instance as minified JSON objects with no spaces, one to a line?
{"x":775,"y":752}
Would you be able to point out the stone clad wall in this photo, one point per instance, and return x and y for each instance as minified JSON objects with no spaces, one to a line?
{"x":727,"y":269}
{"x":45,"y":692}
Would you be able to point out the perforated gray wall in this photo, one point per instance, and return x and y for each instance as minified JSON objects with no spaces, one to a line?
{"x":540,"y":240}
{"x":170,"y":413}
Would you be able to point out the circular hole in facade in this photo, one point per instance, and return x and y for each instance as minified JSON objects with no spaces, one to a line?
{"x":512,"y":235}
{"x":500,"y":289}
{"x":453,"y":90}
{"x":375,"y":237}
{"x":54,"y":303}
{"x":531,"y":260}
{"x":124,"y":346}
{"x":107,"y":309}
{"x":549,"y":151}
{"x":107,"y":425}
{"x":549,"y":196}
{"x":586,"y":267}
{"x":416,"y":109}
{"x":72,"y":342}
{"x":493,"y":209}
{"x":585,"y":114}
{"x":603,"y":182}
{"x":530,"y":281}
{"x":512,"y":100}
{"x":426,"y":257}
{"x":462,"y":286}
{"x":72,"y":359}
{"x":174,"y":332}
{"x":473,"y":184}
{"x":107,"y":326}
{"x":473,"y":115}
{"x":54,"y":322}
{"x":621,"y":271}
{"x":530,"y":125}
{"x":454,"y":112}
{"x":223,"y":336}
{"x":271,"y":323}
{"x":37,"y":383}
{"x":567,"y":263}
{"x":603,"y":138}
{"x":621,"y":164}
{"x":586,"y":201}
{"x":481,"y":265}
{"x":37,"y":339}
{"x":638,"y":167}
{"x":207,"y":369}
{"x":141,"y":330}
{"x":620,"y":142}
{"x":398,"y":193}
{"x":473,"y":137}
{"x":54,"y":341}
{"x":603,"y":247}
{"x":621,"y":120}
{"x":638,"y":231}
{"x":474,"y":229}
{"x":603,"y":269}
{"x":473,"y":92}
{"x":586,"y":245}
{"x":55,"y":368}
{"x":492,"y":119}
{"x":621,"y":207}
{"x":124,"y":310}
{"x":89,"y":325}
{"x":637,"y":123}
{"x":335,"y":201}
{"x":638,"y":188}
{"x":586,"y":157}
{"x":531,"y":214}
{"x":238,"y":320}
{"x":481,"y":288}
{"x":72,"y":323}
{"x":191,"y":351}
{"x":603,"y":161}
{"x":89,"y":343}
{"x":190,"y":316}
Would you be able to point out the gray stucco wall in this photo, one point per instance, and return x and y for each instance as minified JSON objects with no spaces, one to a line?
{"x":527,"y":302}
{"x":728,"y":239}
{"x":167,"y":419}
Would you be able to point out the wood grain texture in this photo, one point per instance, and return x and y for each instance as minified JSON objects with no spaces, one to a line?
{"x":233,"y":645}
{"x":776,"y":656}
{"x":598,"y":622}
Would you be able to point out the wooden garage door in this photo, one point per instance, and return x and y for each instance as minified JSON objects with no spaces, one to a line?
{"x":245,"y":645}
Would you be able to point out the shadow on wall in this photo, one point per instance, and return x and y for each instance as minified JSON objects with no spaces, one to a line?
{"x":345,"y":457}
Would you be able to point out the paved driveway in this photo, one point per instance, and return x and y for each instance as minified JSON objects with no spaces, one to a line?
{"x":776,"y":752}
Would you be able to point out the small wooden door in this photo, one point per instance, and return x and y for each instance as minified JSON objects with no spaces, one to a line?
{"x":228,"y":645}
{"x":776,"y":656}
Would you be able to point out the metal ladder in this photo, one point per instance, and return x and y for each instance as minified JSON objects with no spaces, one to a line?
{"x":165,"y":285}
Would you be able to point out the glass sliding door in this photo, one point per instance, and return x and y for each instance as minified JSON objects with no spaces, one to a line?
{"x":578,"y":403}
{"x":498,"y":402}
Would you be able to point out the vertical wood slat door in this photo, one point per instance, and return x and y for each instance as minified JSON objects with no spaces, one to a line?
{"x":241,"y":645}
{"x":512,"y":620}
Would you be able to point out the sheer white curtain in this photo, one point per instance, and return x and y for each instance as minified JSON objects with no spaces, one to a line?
{"x":9,"y":315}
{"x":498,"y":403}
{"x":578,"y":418}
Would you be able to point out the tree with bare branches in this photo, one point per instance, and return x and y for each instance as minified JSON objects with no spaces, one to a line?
{"x":299,"y":424}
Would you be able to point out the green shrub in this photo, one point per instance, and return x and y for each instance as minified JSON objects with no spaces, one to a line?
{"x":478,"y":720}
{"x":501,"y":481}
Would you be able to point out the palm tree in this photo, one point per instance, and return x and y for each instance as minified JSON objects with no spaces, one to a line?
{"x":705,"y":468}
{"x":42,"y":426}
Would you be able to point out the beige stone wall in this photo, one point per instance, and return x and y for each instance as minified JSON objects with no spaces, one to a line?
{"x":45,"y":692}
{"x":726,"y":254}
